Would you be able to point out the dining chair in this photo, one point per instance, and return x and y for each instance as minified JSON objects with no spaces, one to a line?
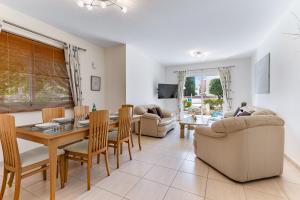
{"x":96,"y":144}
{"x":49,"y":114}
{"x":132,"y":107}
{"x":22,"y":165}
{"x":116,"y":138}
{"x":80,"y":113}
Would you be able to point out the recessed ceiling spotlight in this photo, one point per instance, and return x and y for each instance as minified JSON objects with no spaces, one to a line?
{"x":198,"y":54}
{"x":101,"y":3}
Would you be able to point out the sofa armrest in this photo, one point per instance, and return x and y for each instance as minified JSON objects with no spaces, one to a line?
{"x":229,"y":114}
{"x":151,"y":116}
{"x":167,"y":114}
{"x":207,"y":131}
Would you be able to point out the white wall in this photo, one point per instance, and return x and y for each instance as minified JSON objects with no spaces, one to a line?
{"x":241,"y":79}
{"x":93,"y":54}
{"x":142,"y":77}
{"x":285,"y":70}
{"x":115,"y":63}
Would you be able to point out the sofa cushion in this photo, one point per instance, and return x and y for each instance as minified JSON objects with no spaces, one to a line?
{"x":166,"y":121}
{"x":229,"y":125}
{"x":263,"y":112}
{"x":263,"y":120}
{"x":140,"y":110}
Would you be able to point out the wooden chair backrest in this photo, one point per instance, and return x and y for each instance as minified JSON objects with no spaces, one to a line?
{"x":80,"y":112}
{"x":9,"y":143}
{"x":98,"y":135}
{"x":125,"y":117}
{"x":49,"y":114}
{"x":128,"y":106}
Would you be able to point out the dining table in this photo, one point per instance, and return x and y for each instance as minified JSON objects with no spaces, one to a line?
{"x":63,"y":135}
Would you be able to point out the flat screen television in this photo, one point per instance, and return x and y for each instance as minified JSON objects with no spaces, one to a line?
{"x":167,"y":91}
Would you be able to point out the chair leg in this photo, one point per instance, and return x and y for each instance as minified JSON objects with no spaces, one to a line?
{"x":62,"y":171}
{"x":89,"y":173}
{"x":121,"y":148}
{"x":129,"y":150}
{"x":118,"y":155}
{"x":81,"y":162}
{"x":44,"y":173}
{"x":98,"y":158}
{"x":11,"y":179}
{"x":115,"y":150}
{"x":66,"y":168}
{"x":17,"y":186}
{"x":4,"y":181}
{"x":131,"y":138}
{"x":106,"y":163}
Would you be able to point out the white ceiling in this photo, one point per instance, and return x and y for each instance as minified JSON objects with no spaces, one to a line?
{"x":166,"y":30}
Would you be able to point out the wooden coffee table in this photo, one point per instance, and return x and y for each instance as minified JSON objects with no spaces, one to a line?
{"x":190,"y":122}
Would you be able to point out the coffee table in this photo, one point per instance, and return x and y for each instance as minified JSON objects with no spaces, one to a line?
{"x":189,"y":121}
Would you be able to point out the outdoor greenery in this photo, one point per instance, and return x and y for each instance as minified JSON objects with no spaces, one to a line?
{"x":215,"y":88}
{"x":214,"y":104}
{"x":187,"y":104}
{"x":190,"y":87}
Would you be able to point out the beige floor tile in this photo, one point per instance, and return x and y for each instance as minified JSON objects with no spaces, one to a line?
{"x":118,"y":183}
{"x":192,"y":156}
{"x":215,"y":175}
{"x":217,"y":190}
{"x":175,"y":194}
{"x":190,"y":183}
{"x":73,"y":189}
{"x":269,"y":186}
{"x":161,"y":175}
{"x":198,"y":167}
{"x":97,"y":193}
{"x":170,"y":162}
{"x":135,"y":167}
{"x":291,"y":190}
{"x":290,"y":173}
{"x":98,"y":173}
{"x":24,"y":194}
{"x":32,"y":179}
{"x":147,"y":157}
{"x":254,"y":195}
{"x":147,"y":190}
{"x":176,"y":152}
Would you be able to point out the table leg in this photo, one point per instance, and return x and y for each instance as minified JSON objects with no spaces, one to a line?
{"x":52,"y":148}
{"x":140,"y":133}
{"x":181,"y":130}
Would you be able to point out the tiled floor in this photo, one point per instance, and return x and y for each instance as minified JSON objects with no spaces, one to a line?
{"x":166,"y":169}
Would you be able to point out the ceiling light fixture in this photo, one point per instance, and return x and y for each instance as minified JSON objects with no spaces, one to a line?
{"x":101,"y":3}
{"x":198,"y":54}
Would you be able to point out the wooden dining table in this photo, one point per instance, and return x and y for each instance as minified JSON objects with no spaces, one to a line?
{"x":64,"y":135}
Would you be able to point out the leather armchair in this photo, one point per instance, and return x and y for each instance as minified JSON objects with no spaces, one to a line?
{"x":243,"y":148}
{"x":153,"y":125}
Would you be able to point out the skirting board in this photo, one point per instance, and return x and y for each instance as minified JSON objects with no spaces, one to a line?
{"x":293,"y":162}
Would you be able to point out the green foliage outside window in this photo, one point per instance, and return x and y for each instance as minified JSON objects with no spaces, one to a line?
{"x":190,"y":87}
{"x":215,"y":88}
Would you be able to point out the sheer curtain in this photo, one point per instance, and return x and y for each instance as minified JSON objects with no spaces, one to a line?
{"x":225,"y":77}
{"x":181,"y":84}
{"x":73,"y":67}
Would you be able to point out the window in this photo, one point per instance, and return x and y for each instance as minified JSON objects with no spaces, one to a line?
{"x":33,"y":75}
{"x":207,"y":88}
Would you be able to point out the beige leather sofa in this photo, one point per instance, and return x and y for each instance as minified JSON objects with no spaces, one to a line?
{"x":243,"y":148}
{"x":153,"y":125}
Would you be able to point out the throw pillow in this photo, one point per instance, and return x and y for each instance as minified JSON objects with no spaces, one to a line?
{"x":152,"y":111}
{"x":245,"y":113}
{"x":159,"y":112}
{"x":237,"y":112}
